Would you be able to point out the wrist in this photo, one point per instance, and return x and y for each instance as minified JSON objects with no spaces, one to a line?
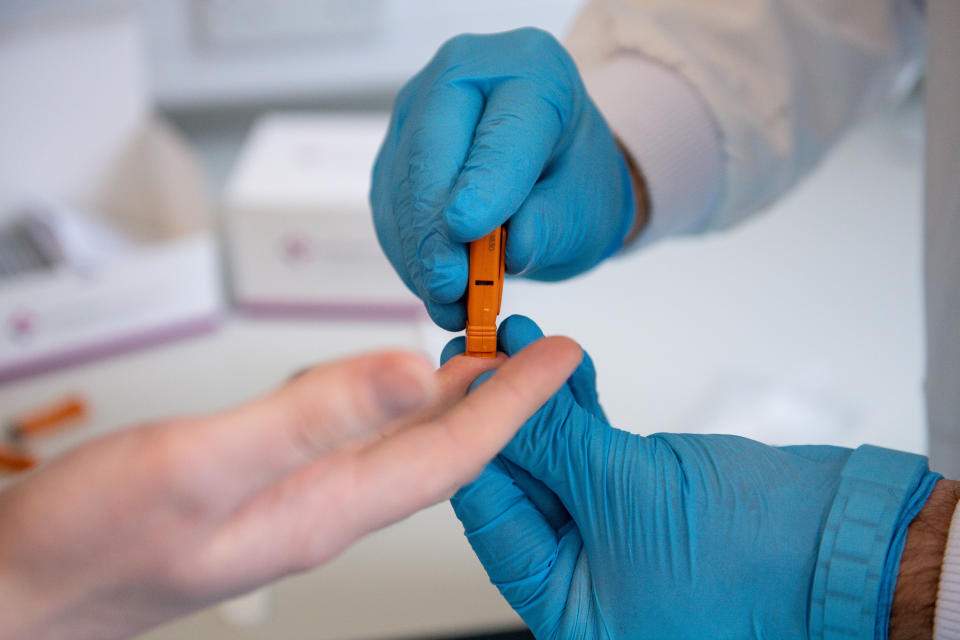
{"x":641,"y":197}
{"x":880,"y":493}
{"x":915,"y":596}
{"x":671,"y":134}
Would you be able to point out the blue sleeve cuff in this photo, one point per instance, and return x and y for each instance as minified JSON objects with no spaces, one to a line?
{"x":880,"y":493}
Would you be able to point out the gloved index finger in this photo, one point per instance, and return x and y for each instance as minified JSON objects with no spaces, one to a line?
{"x":432,"y":145}
{"x":552,"y":446}
{"x":516,"y":332}
{"x":583,"y":385}
{"x":453,"y":348}
{"x":514,"y":140}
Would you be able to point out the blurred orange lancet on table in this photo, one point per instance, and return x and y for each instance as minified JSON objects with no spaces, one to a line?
{"x":14,"y":460}
{"x":484,"y":292}
{"x":55,"y":415}
{"x":15,"y":454}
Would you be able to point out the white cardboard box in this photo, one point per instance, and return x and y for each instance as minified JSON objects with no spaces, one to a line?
{"x":165,"y":283}
{"x":63,"y":317}
{"x":301,"y":236}
{"x":78,"y":131}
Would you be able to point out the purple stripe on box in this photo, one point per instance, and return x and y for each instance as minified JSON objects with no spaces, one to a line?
{"x":334,"y":310}
{"x":108,"y":347}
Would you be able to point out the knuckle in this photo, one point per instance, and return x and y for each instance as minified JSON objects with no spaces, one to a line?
{"x":536,"y":40}
{"x":304,"y":434}
{"x":305,"y":405}
{"x":430,"y":175}
{"x":525,"y":242}
{"x":455,"y":49}
{"x":325,"y":406}
{"x":555,"y":69}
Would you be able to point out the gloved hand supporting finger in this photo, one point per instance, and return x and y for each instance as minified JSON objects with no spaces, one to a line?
{"x":517,"y":546}
{"x":545,"y":500}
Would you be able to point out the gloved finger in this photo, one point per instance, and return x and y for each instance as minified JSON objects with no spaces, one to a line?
{"x":517,"y":331}
{"x":453,"y":348}
{"x":553,"y":237}
{"x":451,"y":317}
{"x":381,"y":204}
{"x":551,"y":445}
{"x":483,"y":377}
{"x":559,"y":446}
{"x":545,"y":500}
{"x":517,"y":546}
{"x":520,"y":127}
{"x":381,"y":178}
{"x":432,"y":146}
{"x":551,"y":448}
{"x":583,"y":385}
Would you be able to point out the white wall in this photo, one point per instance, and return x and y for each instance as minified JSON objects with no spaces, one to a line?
{"x":210,"y":52}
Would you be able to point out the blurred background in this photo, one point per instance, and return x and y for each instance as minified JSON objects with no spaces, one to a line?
{"x":184,"y":224}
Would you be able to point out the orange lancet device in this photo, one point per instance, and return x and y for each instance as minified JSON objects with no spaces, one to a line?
{"x":67,"y":409}
{"x":484,"y":292}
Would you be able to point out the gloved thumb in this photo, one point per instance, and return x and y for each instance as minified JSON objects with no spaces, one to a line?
{"x":517,"y":331}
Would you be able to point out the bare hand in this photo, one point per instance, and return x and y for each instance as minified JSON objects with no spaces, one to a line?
{"x":151,"y":523}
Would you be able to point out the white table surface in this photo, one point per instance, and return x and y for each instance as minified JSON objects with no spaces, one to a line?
{"x":802,"y":326}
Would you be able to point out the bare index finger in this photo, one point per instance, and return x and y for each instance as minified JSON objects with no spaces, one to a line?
{"x":241,"y":451}
{"x":453,"y":381}
{"x":426,"y":463}
{"x":326,"y":505}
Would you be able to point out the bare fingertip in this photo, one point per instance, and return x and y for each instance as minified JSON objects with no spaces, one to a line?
{"x":567,"y":349}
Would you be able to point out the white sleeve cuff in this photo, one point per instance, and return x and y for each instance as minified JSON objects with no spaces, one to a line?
{"x":672,"y":135}
{"x":946,"y":619}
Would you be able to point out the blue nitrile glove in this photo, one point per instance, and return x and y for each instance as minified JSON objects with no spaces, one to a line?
{"x":592,"y":532}
{"x":497,"y":128}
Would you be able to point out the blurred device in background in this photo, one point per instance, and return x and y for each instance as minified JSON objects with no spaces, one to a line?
{"x":48,"y":234}
{"x":22,"y":250}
